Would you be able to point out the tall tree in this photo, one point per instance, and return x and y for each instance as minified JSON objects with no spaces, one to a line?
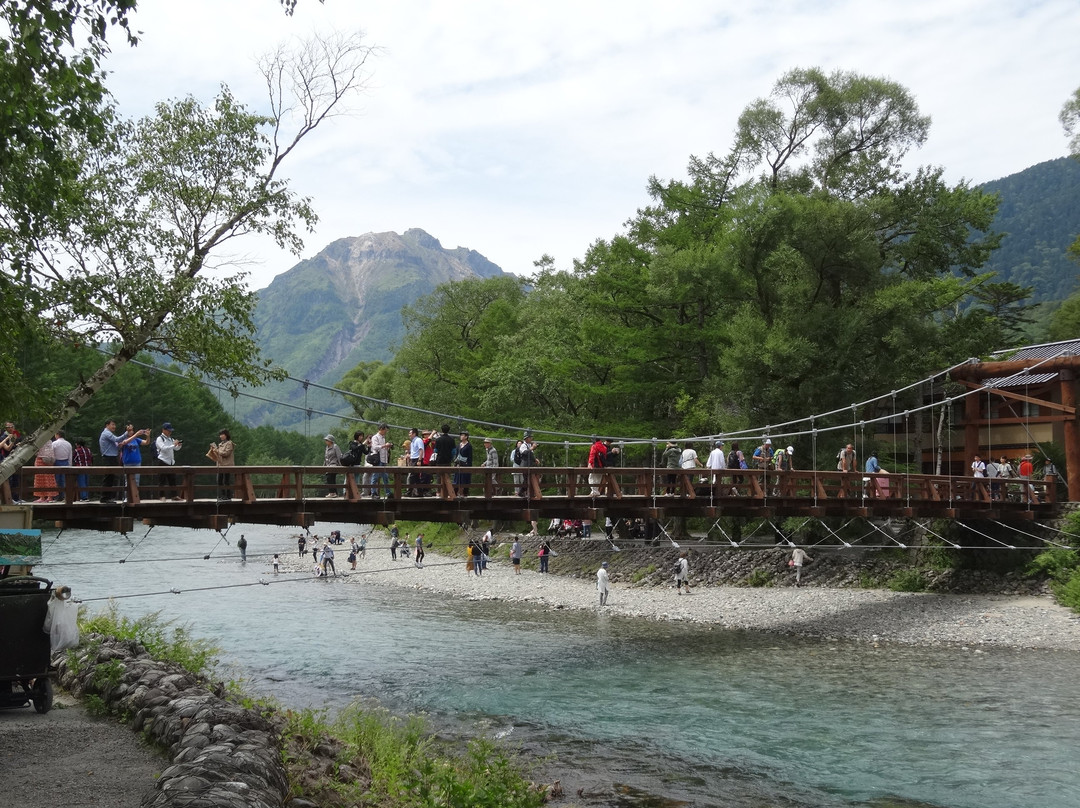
{"x":129,"y":263}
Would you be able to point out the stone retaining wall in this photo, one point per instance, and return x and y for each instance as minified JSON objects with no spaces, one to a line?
{"x":221,"y":755}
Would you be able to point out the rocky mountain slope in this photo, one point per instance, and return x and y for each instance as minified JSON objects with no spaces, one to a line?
{"x":342,"y":307}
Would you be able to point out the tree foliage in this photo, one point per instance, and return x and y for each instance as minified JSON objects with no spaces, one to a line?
{"x":127,"y":261}
{"x":800,"y":271}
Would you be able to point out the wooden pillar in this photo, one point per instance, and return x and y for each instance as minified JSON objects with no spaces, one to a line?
{"x":1072,"y":433}
{"x":972,"y":413}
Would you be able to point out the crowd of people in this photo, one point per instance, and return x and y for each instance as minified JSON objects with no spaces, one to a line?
{"x":434,"y":457}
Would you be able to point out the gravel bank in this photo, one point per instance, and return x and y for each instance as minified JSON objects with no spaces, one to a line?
{"x":870,"y":615}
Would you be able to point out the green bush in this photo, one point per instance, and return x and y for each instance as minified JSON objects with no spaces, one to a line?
{"x":1067,"y":591}
{"x":1057,"y":563}
{"x":908,"y":580}
{"x":759,"y":578}
{"x":1071,"y":526}
{"x":162,"y":638}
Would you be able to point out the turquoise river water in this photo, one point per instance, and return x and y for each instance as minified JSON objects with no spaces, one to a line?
{"x":634,"y":712}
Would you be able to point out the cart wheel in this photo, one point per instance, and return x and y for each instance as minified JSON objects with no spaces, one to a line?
{"x":43,"y":694}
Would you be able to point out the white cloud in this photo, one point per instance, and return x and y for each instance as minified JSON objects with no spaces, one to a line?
{"x":517,"y":130}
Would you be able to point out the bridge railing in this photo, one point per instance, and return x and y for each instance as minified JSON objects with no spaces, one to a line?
{"x":249,"y":484}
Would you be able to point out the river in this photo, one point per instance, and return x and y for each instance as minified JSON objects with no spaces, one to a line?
{"x":634,"y":712}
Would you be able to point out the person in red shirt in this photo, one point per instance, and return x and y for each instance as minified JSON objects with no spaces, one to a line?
{"x":82,"y":456}
{"x":597,"y":460}
{"x":1026,"y":470}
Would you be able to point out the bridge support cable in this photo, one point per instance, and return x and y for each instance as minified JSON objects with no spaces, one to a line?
{"x":886,"y":534}
{"x":134,"y":546}
{"x":1046,"y":527}
{"x":836,"y":535}
{"x":781,"y":535}
{"x":950,"y":542}
{"x":985,"y":535}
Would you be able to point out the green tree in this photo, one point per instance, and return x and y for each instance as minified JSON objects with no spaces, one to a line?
{"x":127,"y":263}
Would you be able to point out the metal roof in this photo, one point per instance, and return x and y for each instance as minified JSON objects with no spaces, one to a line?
{"x":1047,"y":350}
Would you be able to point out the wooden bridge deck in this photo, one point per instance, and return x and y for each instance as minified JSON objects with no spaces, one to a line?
{"x":297,"y":496}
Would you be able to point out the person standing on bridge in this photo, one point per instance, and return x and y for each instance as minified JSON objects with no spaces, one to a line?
{"x":463,"y":459}
{"x":597,"y":461}
{"x":670,"y":461}
{"x":331,"y":457}
{"x":845,"y":459}
{"x":222,"y":453}
{"x":109,"y":446}
{"x":416,"y":459}
{"x":380,"y":456}
{"x":716,"y":461}
{"x":165,"y":447}
{"x":81,"y":457}
{"x":527,"y":459}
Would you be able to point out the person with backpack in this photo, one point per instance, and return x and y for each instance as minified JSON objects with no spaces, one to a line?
{"x":670,"y":460}
{"x":736,"y":460}
{"x":682,"y":574}
{"x":526,"y":460}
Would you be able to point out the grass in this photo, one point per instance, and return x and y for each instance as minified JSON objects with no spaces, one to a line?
{"x":386,"y":761}
{"x":377,"y":760}
{"x":163,"y":639}
{"x":907,"y":580}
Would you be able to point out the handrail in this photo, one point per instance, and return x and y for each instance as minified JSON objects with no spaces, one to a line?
{"x":250,"y":484}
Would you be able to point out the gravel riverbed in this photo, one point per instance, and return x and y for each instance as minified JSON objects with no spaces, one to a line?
{"x":870,"y":615}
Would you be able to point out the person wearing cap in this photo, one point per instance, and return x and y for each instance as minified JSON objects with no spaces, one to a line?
{"x":602,"y":583}
{"x":491,"y":455}
{"x":1026,"y":470}
{"x":597,"y":461}
{"x":782,"y":462}
{"x":716,"y":461}
{"x":165,"y":447}
{"x":331,"y":457}
{"x":763,"y":455}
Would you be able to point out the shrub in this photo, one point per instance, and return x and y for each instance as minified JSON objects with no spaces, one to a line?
{"x":1067,"y":591}
{"x":759,"y":578}
{"x":1057,"y":563}
{"x":162,"y":638}
{"x":908,"y":580}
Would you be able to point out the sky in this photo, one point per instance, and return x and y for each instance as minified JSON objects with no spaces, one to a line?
{"x":519,"y":130}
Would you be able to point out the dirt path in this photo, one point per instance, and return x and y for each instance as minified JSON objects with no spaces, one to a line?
{"x":69,"y":758}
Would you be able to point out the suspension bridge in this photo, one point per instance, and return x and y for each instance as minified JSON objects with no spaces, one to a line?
{"x":301,"y":496}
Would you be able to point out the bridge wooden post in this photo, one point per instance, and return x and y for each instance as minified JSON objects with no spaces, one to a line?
{"x":1072,"y":433}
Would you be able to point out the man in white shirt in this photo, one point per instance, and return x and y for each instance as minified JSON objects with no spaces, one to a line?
{"x":165,"y":447}
{"x":716,"y":461}
{"x":689,"y":459}
{"x":380,"y":447}
{"x":61,"y":457}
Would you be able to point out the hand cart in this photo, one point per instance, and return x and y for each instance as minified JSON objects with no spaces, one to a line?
{"x":24,"y":647}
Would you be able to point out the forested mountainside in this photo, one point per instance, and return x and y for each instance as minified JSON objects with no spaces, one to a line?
{"x":1039,"y":210}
